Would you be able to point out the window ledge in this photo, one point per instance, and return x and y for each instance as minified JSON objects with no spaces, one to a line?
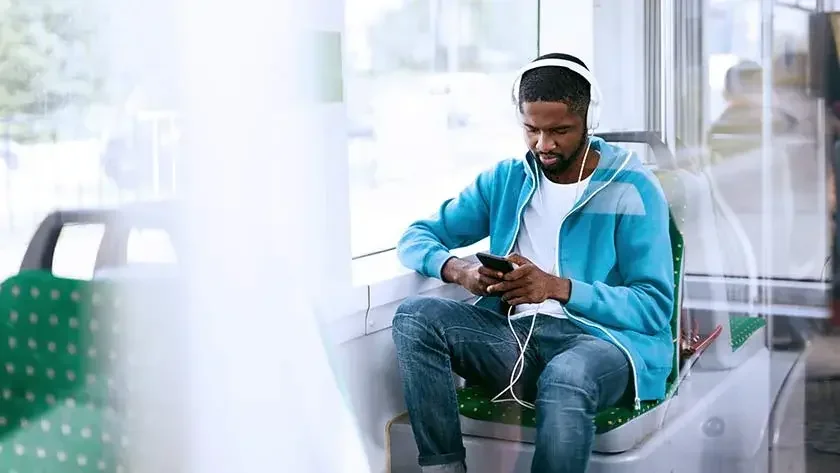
{"x":385,"y":296}
{"x":387,"y":283}
{"x":385,"y":267}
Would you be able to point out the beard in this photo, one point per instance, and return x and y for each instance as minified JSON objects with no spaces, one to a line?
{"x":563,"y":161}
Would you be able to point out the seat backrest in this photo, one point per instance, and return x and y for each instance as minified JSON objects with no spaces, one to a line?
{"x":666,"y":165}
{"x":675,"y":195}
{"x":53,"y":345}
{"x":677,"y":249}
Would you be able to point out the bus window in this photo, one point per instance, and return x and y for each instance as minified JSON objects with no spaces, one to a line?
{"x":76,"y":249}
{"x":149,"y":246}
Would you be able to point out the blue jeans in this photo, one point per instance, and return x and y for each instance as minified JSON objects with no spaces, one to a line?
{"x":568,"y":375}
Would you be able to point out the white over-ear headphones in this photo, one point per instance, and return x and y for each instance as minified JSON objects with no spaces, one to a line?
{"x":593,"y":114}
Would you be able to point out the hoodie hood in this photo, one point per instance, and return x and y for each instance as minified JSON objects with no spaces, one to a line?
{"x":613,"y":161}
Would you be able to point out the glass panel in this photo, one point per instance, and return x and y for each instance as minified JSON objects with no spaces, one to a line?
{"x":734,"y":146}
{"x":148,"y":245}
{"x":756,"y":226}
{"x":428,"y":100}
{"x":627,"y":96}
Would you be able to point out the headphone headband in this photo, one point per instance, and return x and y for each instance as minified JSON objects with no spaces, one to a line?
{"x":593,"y":113}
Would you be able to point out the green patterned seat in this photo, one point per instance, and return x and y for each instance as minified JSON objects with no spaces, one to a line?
{"x":742,"y":327}
{"x":56,"y":409}
{"x":62,"y":439}
{"x":474,"y":402}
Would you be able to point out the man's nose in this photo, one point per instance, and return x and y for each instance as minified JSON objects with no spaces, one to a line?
{"x":544,"y":144}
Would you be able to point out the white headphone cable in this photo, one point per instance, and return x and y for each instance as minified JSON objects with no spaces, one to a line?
{"x":520,"y":361}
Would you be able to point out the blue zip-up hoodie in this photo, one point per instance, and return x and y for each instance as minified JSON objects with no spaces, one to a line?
{"x":614,"y":246}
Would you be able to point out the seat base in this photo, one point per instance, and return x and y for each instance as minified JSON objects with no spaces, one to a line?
{"x":617,"y":440}
{"x":617,"y":428}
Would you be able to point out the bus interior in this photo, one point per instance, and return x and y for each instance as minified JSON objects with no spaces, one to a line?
{"x":199,"y":230}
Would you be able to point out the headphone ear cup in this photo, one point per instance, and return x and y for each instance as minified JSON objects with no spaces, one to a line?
{"x":514,"y":91}
{"x":593,"y":116}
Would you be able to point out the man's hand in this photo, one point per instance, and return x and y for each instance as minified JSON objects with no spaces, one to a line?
{"x":472,"y":277}
{"x":528,"y":284}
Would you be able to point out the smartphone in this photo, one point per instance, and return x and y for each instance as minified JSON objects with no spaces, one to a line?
{"x":496,"y":263}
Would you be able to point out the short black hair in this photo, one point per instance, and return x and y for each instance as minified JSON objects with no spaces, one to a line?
{"x":556,"y":84}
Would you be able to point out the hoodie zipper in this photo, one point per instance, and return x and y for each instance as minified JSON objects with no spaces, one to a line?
{"x":637,"y":403}
{"x":521,"y":211}
{"x":518,"y":218}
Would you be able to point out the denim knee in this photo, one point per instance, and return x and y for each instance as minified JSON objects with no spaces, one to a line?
{"x":414,"y":318}
{"x":562,"y":382}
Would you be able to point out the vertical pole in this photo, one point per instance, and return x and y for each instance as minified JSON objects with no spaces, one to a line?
{"x":666,"y":42}
{"x":767,"y":233}
{"x":651,"y":60}
{"x":767,"y":152}
{"x":824,"y":139}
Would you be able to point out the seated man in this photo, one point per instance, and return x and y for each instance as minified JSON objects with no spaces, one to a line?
{"x":738,"y":128}
{"x":590,"y":300}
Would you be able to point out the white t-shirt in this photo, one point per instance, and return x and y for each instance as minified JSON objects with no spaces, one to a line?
{"x":539,"y":234}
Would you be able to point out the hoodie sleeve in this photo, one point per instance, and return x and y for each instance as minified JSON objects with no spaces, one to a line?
{"x":459,"y":222}
{"x":645,"y":300}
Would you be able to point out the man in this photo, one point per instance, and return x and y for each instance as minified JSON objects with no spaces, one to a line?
{"x":738,"y":128}
{"x":589,"y":226}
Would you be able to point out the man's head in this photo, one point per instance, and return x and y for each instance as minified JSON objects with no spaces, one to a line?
{"x":553,"y":103}
{"x":742,"y":83}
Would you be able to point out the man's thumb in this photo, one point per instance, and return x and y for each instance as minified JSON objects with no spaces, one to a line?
{"x":518,"y":260}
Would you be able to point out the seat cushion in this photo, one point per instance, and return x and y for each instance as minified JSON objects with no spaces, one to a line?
{"x":474,"y":403}
{"x":78,"y":438}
